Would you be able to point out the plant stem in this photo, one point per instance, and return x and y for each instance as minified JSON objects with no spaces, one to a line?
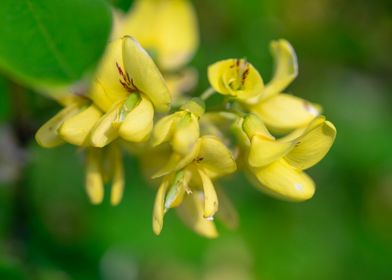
{"x":207,"y":93}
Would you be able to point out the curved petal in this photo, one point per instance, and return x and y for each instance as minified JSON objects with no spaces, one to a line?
{"x":235,"y":77}
{"x":177,"y":33}
{"x":111,"y":77}
{"x":216,"y":72}
{"x":311,"y":147}
{"x":286,"y":67}
{"x":164,"y":128}
{"x":118,"y":182}
{"x":94,"y":178}
{"x":191,"y":213}
{"x":104,"y":132}
{"x":211,"y":203}
{"x":284,"y":181}
{"x":76,"y":129}
{"x":138,"y":124}
{"x":140,"y":23}
{"x":253,"y":125}
{"x":145,"y":75}
{"x":177,"y":161}
{"x":285,"y":112}
{"x":47,"y":135}
{"x":185,"y":134}
{"x":214,"y":157}
{"x":264,"y":151}
{"x":159,"y":207}
{"x":176,"y":192}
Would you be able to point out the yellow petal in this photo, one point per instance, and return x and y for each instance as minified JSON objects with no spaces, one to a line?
{"x":47,"y":135}
{"x":214,"y":157}
{"x":104,"y":132}
{"x":76,"y":129}
{"x":284,"y":181}
{"x":138,"y":124}
{"x":264,"y":151}
{"x":235,"y":77}
{"x":177,"y":161}
{"x":140,"y":23}
{"x":159,"y":207}
{"x":94,"y":179}
{"x":191,"y":213}
{"x":164,"y":128}
{"x":211,"y":203}
{"x":286,"y":67}
{"x":118,"y":175}
{"x":176,"y":192}
{"x":185,"y":134}
{"x":167,"y":28}
{"x":285,"y":112}
{"x":177,"y":33}
{"x":111,"y":77}
{"x":145,"y":74}
{"x":253,"y":125}
{"x":312,"y":146}
{"x":195,"y":106}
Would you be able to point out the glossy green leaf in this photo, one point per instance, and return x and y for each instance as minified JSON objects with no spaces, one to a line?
{"x":46,"y":42}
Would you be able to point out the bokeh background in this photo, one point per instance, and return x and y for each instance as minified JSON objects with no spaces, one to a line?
{"x":49,"y":230}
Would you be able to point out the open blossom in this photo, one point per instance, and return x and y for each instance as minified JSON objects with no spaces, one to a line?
{"x":278,"y":164}
{"x":281,"y":112}
{"x":192,"y":175}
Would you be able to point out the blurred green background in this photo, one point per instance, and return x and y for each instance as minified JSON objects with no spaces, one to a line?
{"x":49,"y":230}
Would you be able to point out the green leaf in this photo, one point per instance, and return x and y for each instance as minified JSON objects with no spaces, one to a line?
{"x":46,"y":42}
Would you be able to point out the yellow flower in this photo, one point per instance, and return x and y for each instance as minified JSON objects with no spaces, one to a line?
{"x":283,"y":112}
{"x":278,"y":164}
{"x":128,"y":87}
{"x":189,"y":179}
{"x":166,"y":28}
{"x":236,"y":78}
{"x":72,"y":124}
{"x":181,"y":129}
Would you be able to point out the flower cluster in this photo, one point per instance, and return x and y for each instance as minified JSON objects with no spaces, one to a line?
{"x":137,"y":99}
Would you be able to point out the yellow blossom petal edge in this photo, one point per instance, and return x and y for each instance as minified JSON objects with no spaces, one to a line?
{"x":94,"y":179}
{"x":185,"y":134}
{"x":214,"y":157}
{"x":167,"y":28}
{"x":47,"y":135}
{"x":211,"y":203}
{"x":264,"y":151}
{"x":286,"y":67}
{"x":159,"y":207}
{"x":235,"y":77}
{"x":138,"y":124}
{"x":111,"y":77}
{"x":285,"y":112}
{"x":104,"y":132}
{"x":284,"y":181}
{"x":118,"y":175}
{"x":76,"y":129}
{"x":191,"y":213}
{"x":178,"y":36}
{"x":312,"y":146}
{"x":145,"y":74}
{"x":164,"y":128}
